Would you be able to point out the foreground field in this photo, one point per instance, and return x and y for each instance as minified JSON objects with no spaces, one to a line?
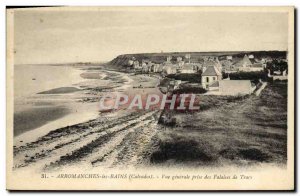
{"x":240,"y":131}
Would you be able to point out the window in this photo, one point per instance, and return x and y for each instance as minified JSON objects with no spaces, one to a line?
{"x":207,"y":79}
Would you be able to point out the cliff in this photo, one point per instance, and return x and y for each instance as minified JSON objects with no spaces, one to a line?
{"x":122,"y":60}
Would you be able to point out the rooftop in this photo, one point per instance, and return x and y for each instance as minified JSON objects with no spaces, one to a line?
{"x":232,"y":84}
{"x":211,"y":71}
{"x":215,"y":84}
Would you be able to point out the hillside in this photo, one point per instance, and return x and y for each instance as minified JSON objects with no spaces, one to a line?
{"x":122,"y":60}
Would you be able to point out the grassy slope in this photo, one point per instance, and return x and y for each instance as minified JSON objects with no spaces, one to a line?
{"x":229,"y":131}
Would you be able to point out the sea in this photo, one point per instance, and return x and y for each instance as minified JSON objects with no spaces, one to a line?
{"x":36,"y":114}
{"x":32,"y":79}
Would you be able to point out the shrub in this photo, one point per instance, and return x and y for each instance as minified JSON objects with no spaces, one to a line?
{"x":164,"y":82}
{"x":186,"y":90}
{"x":190,"y":77}
{"x":253,"y":76}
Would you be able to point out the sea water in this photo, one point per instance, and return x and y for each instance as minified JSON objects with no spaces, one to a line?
{"x":37,"y":114}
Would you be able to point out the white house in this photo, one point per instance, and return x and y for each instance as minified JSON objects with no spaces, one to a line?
{"x":253,"y":67}
{"x":188,"y":57}
{"x":170,"y":69}
{"x":160,"y":68}
{"x":228,"y":57}
{"x":187,"y":68}
{"x":130,"y":62}
{"x":145,"y":68}
{"x":179,"y":59}
{"x":231,"y":87}
{"x":257,"y":67}
{"x":251,"y":56}
{"x":155,"y":68}
{"x":137,"y":65}
{"x":169,"y":58}
{"x":244,"y":63}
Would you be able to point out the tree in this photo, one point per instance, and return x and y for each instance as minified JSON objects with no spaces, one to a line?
{"x":277,"y":65}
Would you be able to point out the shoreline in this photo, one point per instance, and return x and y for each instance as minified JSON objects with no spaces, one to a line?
{"x":42,"y":111}
{"x":59,"y":115}
{"x":34,"y":134}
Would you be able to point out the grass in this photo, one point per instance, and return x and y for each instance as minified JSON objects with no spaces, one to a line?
{"x":180,"y":150}
{"x":229,"y":130}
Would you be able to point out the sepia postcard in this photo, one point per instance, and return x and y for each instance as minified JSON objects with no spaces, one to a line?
{"x":150,"y":98}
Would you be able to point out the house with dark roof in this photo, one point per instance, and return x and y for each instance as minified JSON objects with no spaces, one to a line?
{"x":248,"y":65}
{"x":244,"y":63}
{"x":215,"y":63}
{"x":210,"y":75}
{"x":212,"y":81}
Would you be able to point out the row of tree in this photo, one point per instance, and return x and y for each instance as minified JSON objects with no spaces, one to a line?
{"x":277,"y":65}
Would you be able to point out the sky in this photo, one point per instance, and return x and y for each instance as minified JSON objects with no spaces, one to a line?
{"x":80,"y":35}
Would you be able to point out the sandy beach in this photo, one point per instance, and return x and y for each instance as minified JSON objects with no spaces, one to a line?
{"x":60,"y":124}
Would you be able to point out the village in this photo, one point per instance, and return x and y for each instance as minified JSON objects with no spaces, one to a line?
{"x":212,"y":75}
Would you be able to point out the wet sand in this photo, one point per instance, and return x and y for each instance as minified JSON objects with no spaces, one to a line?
{"x":61,"y":90}
{"x":36,"y":117}
{"x":55,"y":105}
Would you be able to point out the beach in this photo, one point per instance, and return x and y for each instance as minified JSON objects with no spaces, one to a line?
{"x":59,"y":127}
{"x":49,"y":95}
{"x":43,"y":95}
{"x":75,"y":129}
